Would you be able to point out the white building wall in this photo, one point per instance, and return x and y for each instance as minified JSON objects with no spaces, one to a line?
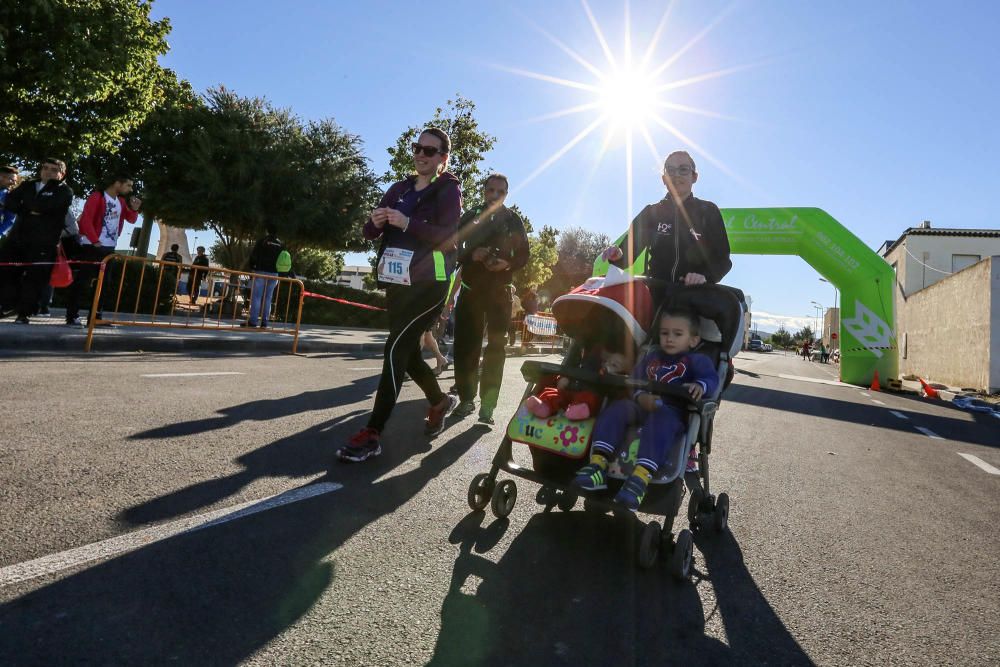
{"x":923,"y":259}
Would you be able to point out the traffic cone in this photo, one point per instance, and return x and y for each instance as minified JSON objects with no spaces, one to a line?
{"x":929,"y":391}
{"x":875,"y":385}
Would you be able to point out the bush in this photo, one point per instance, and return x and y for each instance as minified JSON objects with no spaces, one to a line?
{"x":320,"y":311}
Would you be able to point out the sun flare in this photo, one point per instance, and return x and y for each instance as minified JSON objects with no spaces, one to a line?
{"x":628,"y":96}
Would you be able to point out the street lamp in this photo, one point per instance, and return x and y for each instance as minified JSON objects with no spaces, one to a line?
{"x":819,"y":311}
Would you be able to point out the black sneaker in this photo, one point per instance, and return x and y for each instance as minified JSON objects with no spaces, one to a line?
{"x":486,"y":416}
{"x":74,"y":322}
{"x":362,"y":445}
{"x":21,"y":319}
{"x":465,"y":408}
{"x":434,"y":423}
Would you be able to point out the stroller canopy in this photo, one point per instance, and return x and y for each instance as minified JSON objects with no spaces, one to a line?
{"x":613,"y":309}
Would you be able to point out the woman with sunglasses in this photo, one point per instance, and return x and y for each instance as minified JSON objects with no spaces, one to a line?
{"x":416,"y":221}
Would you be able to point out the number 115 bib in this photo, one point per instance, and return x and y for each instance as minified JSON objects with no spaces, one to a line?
{"x":394,"y":266}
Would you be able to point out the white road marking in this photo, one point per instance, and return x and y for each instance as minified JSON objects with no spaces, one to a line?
{"x":929,"y":433}
{"x":803,"y":378}
{"x":875,"y":400}
{"x":187,"y":375}
{"x":866,"y":394}
{"x":898,"y":414}
{"x":979,"y":463}
{"x":131,"y":541}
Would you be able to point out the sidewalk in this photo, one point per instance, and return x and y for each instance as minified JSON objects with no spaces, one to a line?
{"x":50,"y":334}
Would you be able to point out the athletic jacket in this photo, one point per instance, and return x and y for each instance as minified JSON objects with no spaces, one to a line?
{"x":264,"y":256}
{"x":502,"y":233}
{"x":679,"y":240}
{"x":41,"y":214}
{"x":678,"y":369}
{"x":93,"y":216}
{"x":431,"y":232}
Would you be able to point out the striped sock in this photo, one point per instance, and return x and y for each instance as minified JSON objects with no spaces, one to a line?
{"x":599,"y":460}
{"x":642,"y":473}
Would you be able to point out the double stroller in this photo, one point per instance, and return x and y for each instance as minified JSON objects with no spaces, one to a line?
{"x":617,"y":312}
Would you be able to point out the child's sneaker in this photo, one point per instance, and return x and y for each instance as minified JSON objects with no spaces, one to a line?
{"x":363,"y":445}
{"x":590,"y":478}
{"x":632,"y":493}
{"x":692,"y":462}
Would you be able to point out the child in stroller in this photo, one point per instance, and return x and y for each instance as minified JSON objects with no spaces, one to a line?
{"x":578,"y":400}
{"x":672,"y":363}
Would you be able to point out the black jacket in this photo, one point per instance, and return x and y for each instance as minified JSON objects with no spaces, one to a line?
{"x":502,"y":233}
{"x":171,"y":256}
{"x":264,"y":256}
{"x":691,"y":239}
{"x":41,"y":214}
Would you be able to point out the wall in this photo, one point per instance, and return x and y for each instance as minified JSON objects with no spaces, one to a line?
{"x":950,"y":331}
{"x":939,"y":248}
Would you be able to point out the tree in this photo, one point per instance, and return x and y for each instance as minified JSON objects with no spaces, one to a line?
{"x":578,"y":248}
{"x":240,"y":163}
{"x":805,"y":334}
{"x":316,"y":264}
{"x":781,"y":337}
{"x":542,"y":257}
{"x":469,"y":145}
{"x":76,"y":77}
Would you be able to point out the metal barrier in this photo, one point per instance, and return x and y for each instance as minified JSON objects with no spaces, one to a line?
{"x":554,"y":339}
{"x":221,"y":309}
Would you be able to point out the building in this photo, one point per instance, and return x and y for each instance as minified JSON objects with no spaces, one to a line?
{"x":947,"y":304}
{"x":831,"y":326}
{"x":353,"y":276}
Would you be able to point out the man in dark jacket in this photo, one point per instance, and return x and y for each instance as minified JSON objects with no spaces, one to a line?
{"x":40,"y":205}
{"x":263,"y":262}
{"x":492,"y":245}
{"x":684,"y":237}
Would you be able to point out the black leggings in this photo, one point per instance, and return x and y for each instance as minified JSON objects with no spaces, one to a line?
{"x":411,"y":310}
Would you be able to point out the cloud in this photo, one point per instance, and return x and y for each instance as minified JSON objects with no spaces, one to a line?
{"x":772,"y":322}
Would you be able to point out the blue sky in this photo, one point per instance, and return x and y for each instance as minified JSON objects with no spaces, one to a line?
{"x":883,"y":114}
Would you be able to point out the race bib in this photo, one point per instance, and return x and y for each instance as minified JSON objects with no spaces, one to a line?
{"x":394,"y":266}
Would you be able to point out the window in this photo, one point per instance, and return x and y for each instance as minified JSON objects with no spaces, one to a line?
{"x":959,"y":262}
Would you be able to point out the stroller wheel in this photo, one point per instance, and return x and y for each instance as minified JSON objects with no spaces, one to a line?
{"x":680,"y":560}
{"x":566,"y":501}
{"x":720,"y":518}
{"x":547,"y":495}
{"x":649,"y":545}
{"x":480,"y":491}
{"x":694,"y":506}
{"x":504,"y":497}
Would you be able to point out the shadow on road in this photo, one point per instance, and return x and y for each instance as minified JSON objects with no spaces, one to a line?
{"x":214,"y":596}
{"x":968,"y":427}
{"x":567,"y":591}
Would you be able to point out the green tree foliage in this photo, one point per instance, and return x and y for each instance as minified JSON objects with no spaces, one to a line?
{"x":316,"y":264}
{"x":578,"y":248}
{"x":805,"y":334}
{"x":543,"y":255}
{"x":469,"y":146}
{"x":781,"y":338}
{"x":76,"y":76}
{"x":239,"y":163}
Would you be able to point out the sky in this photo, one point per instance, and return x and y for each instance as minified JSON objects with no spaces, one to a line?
{"x":883,"y":114}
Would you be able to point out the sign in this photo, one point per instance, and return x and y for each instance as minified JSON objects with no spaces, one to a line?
{"x":833,"y":336}
{"x":539,"y":325}
{"x":394,"y":266}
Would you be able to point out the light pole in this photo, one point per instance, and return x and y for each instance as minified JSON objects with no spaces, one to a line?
{"x":819,"y":312}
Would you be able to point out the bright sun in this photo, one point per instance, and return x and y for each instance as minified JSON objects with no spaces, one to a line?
{"x":628,"y":99}
{"x":627,"y":96}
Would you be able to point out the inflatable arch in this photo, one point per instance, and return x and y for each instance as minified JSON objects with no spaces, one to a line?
{"x":865,"y":280}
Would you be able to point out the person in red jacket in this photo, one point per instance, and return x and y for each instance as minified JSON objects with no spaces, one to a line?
{"x":104,"y":215}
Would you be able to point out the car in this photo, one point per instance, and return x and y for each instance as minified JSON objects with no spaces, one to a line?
{"x":756,"y":345}
{"x":768,"y":348}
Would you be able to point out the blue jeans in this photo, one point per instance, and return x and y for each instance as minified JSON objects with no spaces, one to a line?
{"x":260,"y":297}
{"x":660,"y":430}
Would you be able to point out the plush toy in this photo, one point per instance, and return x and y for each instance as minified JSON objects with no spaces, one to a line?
{"x":577,"y":400}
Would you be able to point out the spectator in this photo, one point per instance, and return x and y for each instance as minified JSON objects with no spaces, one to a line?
{"x":516,"y":315}
{"x":173,"y":255}
{"x":530,"y":306}
{"x":104,"y":215}
{"x":196,"y":275}
{"x":40,"y":206}
{"x":416,"y":221}
{"x":8,"y":179}
{"x":492,"y":246}
{"x":263,"y":262}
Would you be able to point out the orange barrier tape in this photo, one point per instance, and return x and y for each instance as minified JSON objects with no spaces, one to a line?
{"x":344,"y":301}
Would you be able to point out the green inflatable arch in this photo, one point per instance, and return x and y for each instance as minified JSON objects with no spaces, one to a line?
{"x":865,"y":280}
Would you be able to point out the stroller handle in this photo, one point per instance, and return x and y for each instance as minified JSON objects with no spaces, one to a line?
{"x":533,"y":370}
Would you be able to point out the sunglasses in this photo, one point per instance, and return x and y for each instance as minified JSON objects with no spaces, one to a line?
{"x":429,"y":151}
{"x":678,"y":171}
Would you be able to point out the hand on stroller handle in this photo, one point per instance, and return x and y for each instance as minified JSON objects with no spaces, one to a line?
{"x":532,"y":370}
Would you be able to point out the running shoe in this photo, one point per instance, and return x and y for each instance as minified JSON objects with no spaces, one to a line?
{"x":465,"y":408}
{"x":590,"y":477}
{"x":434,"y":423}
{"x":486,"y":416}
{"x":74,"y":322}
{"x":21,"y":319}
{"x":632,"y":493}
{"x":692,"y":462}
{"x":362,"y":445}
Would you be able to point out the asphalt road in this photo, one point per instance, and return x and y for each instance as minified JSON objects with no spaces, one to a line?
{"x":131,"y":530}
